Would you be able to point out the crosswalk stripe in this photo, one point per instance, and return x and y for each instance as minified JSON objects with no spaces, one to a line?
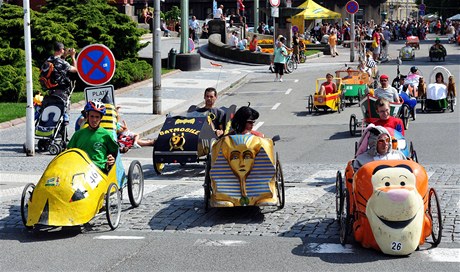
{"x":311,"y":193}
{"x":118,"y":237}
{"x":210,"y":242}
{"x":319,"y":248}
{"x":451,"y":255}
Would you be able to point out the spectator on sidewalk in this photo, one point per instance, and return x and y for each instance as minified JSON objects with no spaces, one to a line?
{"x":254,"y":44}
{"x":233,"y":41}
{"x":219,"y":13}
{"x":164,"y":28}
{"x":193,"y":28}
{"x":242,"y":44}
{"x":204,"y":31}
{"x":295,"y":46}
{"x":128,"y":139}
{"x":386,"y":41}
{"x":177,"y":28}
{"x":147,"y":14}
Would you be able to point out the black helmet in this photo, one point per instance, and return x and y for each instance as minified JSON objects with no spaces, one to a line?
{"x":413,"y":69}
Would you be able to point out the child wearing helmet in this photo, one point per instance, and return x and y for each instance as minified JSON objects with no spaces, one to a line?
{"x":96,"y":141}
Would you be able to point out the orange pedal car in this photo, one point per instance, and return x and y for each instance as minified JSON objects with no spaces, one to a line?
{"x":388,"y":206}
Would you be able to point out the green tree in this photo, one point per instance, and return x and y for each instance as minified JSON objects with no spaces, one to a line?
{"x":173,"y":15}
{"x":76,"y":23}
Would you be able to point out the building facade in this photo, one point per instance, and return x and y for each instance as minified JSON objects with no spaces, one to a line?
{"x":203,"y":9}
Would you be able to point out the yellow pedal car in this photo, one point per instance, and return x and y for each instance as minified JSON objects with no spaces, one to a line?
{"x":243,"y":170}
{"x":73,"y":190}
{"x":332,"y":102}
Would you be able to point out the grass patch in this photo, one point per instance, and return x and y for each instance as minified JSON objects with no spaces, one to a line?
{"x":10,"y":111}
{"x":311,"y":52}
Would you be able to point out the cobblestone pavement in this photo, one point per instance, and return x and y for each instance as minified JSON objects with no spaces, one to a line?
{"x":173,"y":202}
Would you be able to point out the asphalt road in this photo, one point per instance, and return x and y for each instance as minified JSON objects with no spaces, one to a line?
{"x":171,"y":232}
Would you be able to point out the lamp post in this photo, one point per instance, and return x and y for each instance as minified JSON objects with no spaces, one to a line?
{"x":30,"y":133}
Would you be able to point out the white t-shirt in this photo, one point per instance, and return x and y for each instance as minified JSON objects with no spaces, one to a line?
{"x":233,"y":41}
{"x":218,"y":13}
{"x":390,"y":94}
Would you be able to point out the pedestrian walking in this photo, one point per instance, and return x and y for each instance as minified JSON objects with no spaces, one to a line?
{"x":332,"y":40}
{"x":279,"y":59}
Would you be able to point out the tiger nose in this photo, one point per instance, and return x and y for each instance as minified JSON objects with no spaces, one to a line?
{"x":398,"y":195}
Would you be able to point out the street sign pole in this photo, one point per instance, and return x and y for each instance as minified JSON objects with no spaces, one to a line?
{"x":274,"y":4}
{"x":352,"y":7}
{"x":352,"y":38}
{"x":156,"y":92}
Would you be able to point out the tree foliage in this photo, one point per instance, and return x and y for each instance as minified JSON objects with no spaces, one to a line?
{"x":76,"y":23}
{"x":173,"y":14}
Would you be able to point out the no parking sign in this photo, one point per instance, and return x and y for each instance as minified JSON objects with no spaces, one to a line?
{"x":352,"y":7}
{"x":96,"y":64}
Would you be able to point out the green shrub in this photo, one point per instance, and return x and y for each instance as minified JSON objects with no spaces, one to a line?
{"x":129,"y":71}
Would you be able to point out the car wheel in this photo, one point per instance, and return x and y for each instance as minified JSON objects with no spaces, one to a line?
{"x":113,"y":205}
{"x":135,"y":183}
{"x":25,"y":199}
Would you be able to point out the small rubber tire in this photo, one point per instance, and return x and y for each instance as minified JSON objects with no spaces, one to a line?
{"x":135,"y":183}
{"x":113,"y":205}
{"x":25,"y":198}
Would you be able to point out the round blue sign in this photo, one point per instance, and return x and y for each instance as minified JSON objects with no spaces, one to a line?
{"x":352,"y":7}
{"x":96,"y":64}
{"x":422,"y":7}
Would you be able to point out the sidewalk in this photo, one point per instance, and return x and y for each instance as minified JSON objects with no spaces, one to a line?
{"x":179,"y":90}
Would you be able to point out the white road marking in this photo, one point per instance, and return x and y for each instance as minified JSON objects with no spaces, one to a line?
{"x":276,"y":106}
{"x":258,"y":125}
{"x":116,"y":237}
{"x":14,"y":177}
{"x":296,"y":80}
{"x":320,"y":248}
{"x":451,"y":255}
{"x":195,"y":194}
{"x":320,"y":182}
{"x":288,"y":91}
{"x":429,"y":173}
{"x":209,"y":242}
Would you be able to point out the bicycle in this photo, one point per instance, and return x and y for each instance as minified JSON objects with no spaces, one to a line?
{"x":302,"y":56}
{"x":291,"y":64}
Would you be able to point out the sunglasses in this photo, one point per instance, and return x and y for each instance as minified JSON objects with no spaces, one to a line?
{"x":381,"y":141}
{"x":251,"y":122}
